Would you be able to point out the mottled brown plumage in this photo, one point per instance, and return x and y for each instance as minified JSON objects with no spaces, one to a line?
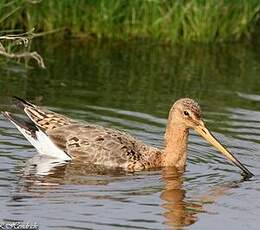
{"x":95,"y":144}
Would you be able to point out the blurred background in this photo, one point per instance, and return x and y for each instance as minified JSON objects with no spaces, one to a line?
{"x":122,"y":64}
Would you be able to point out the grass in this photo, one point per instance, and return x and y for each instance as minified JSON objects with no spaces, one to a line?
{"x":165,"y":20}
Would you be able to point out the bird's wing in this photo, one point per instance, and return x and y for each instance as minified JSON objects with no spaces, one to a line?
{"x":91,"y":143}
{"x":100,"y":145}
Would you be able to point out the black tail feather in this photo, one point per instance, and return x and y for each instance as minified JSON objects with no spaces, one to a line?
{"x":23,"y":123}
{"x":21,"y":103}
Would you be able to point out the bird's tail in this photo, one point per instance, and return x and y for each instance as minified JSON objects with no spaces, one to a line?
{"x":36,"y":135}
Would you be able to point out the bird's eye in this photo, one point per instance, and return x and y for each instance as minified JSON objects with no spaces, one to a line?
{"x":186,"y":113}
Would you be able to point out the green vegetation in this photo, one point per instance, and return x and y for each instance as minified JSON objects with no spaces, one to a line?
{"x":165,"y":20}
{"x":15,"y":45}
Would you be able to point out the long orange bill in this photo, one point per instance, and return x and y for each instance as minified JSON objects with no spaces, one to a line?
{"x":204,"y":132}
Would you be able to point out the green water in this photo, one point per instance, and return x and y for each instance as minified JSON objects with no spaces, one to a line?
{"x":131,"y":87}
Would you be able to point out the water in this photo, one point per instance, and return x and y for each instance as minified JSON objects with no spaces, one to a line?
{"x":131,"y":87}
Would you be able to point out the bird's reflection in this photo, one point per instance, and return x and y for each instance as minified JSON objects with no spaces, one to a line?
{"x":179,"y":210}
{"x":41,"y":170}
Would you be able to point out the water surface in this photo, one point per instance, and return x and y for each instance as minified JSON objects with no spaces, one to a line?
{"x":132,"y":87}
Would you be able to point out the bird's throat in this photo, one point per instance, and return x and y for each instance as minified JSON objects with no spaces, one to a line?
{"x":175,"y":152}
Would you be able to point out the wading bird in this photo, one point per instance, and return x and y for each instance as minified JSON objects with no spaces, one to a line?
{"x":62,"y":137}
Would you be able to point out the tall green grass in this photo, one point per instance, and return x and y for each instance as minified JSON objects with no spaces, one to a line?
{"x":166,"y":20}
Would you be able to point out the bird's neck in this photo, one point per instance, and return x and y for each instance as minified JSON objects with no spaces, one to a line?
{"x":175,"y":152}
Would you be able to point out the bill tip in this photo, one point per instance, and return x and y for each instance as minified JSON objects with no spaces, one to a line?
{"x":247,"y":175}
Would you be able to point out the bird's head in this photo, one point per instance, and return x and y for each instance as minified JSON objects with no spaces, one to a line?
{"x":187,"y":113}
